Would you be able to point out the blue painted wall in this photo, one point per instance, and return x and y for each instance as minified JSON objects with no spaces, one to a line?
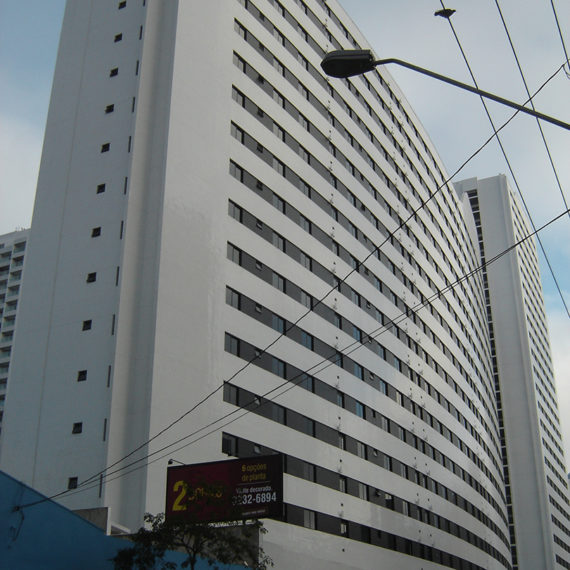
{"x":47,"y":536}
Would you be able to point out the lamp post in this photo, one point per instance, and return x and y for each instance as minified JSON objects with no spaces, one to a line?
{"x":347,"y":63}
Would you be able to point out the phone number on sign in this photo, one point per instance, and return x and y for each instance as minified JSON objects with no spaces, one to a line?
{"x":254,"y":499}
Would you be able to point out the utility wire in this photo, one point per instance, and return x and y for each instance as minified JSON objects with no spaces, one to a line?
{"x":85,"y":484}
{"x":508,"y":162}
{"x":561,"y":38}
{"x":290,"y":384}
{"x":532,"y":104}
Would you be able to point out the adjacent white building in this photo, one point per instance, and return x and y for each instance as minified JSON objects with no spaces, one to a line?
{"x":531,"y":440}
{"x":12,"y":253}
{"x":219,"y":229}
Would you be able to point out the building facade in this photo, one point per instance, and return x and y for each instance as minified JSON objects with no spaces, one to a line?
{"x":233,"y":255}
{"x":537,"y":498}
{"x":12,"y":253}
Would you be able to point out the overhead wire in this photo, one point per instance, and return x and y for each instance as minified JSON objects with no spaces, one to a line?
{"x":504,"y":153}
{"x":515,"y":55}
{"x":561,"y":38}
{"x":102,"y":473}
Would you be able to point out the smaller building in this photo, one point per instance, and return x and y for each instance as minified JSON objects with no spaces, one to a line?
{"x":12,"y":252}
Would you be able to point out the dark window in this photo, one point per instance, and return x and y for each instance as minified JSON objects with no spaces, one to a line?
{"x":309,"y":519}
{"x":278,"y":323}
{"x":306,"y":299}
{"x":278,"y":367}
{"x":77,"y":427}
{"x":278,"y":241}
{"x":307,"y":340}
{"x":87,"y":325}
{"x":358,"y":371}
{"x":81,"y":375}
{"x":235,"y":211}
{"x":101,"y":188}
{"x":278,"y":282}
{"x":72,"y":483}
{"x":91,"y":277}
{"x":279,"y":203}
{"x":234,"y":253}
{"x":232,"y":344}
{"x":233,"y":298}
{"x":305,"y":223}
{"x":114,"y":72}
{"x":96,"y":232}
{"x":109,"y":109}
{"x":118,"y":38}
{"x":229,"y":444}
{"x":106,"y":147}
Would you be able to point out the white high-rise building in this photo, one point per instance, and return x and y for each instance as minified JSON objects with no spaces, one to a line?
{"x":12,"y":253}
{"x":535,"y":472}
{"x":209,"y":201}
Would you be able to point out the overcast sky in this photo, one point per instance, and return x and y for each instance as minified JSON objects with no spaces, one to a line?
{"x":455,"y":120}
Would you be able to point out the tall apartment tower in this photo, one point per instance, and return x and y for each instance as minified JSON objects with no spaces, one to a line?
{"x":535,"y":472}
{"x":12,"y":253}
{"x":233,"y":255}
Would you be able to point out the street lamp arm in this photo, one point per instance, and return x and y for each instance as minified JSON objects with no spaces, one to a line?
{"x":475,"y":90}
{"x":347,"y":63}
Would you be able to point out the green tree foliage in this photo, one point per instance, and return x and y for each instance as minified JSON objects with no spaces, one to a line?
{"x":235,"y":543}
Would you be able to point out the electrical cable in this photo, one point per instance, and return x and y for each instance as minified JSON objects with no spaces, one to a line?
{"x":549,"y":265}
{"x":561,"y":38}
{"x":104,"y":471}
{"x":532,"y":104}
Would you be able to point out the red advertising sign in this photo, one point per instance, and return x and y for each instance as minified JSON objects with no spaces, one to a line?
{"x":226,"y":490}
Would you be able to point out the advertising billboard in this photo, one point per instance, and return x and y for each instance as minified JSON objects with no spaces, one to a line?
{"x":226,"y":490}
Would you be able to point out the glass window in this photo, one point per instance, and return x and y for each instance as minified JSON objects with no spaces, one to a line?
{"x":305,"y":223}
{"x":278,"y":367}
{"x":358,"y":371}
{"x":278,"y":241}
{"x":278,"y":282}
{"x":307,"y":340}
{"x":233,"y":298}
{"x":306,"y":261}
{"x":232,"y":344}
{"x":235,"y":211}
{"x":278,"y":323}
{"x":309,"y":519}
{"x":234,"y":254}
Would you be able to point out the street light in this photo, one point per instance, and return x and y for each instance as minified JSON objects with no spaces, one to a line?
{"x":347,"y":63}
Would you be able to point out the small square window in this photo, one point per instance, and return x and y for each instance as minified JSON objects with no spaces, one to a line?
{"x":96,"y":232}
{"x":81,"y":375}
{"x":77,"y":427}
{"x":106,"y":147}
{"x":72,"y":483}
{"x":118,"y":38}
{"x":114,"y":72}
{"x":122,"y":4}
{"x":87,"y":325}
{"x":101,"y":188}
{"x":91,"y":277}
{"x":109,"y":109}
